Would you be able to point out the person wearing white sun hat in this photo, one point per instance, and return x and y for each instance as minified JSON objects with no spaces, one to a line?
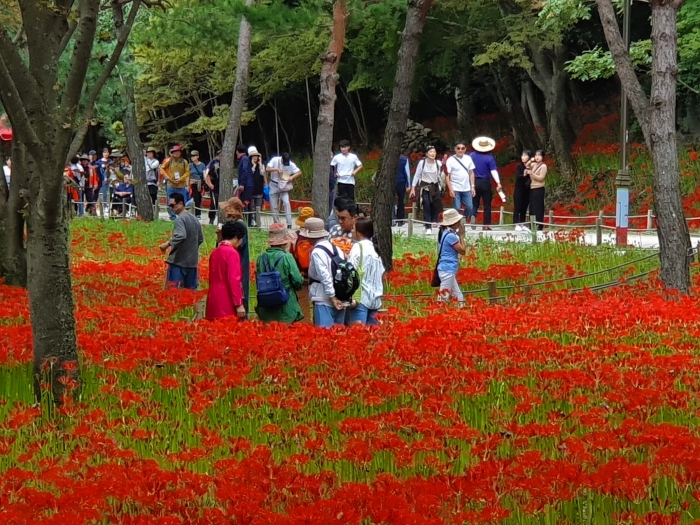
{"x":450,"y":246}
{"x":485,"y":168}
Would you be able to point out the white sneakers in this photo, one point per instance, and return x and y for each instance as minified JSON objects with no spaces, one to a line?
{"x":521,"y":228}
{"x":428,"y":231}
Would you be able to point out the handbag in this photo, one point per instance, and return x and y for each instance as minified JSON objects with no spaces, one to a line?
{"x":435,"y":281}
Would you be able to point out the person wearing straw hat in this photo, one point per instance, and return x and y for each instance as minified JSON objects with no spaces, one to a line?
{"x":450,"y":246}
{"x":277,"y":258}
{"x":259,"y":182}
{"x":306,"y":212}
{"x":176,"y":173}
{"x":485,"y":169}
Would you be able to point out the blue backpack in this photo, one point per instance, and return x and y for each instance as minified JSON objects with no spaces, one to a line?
{"x":271,"y":290}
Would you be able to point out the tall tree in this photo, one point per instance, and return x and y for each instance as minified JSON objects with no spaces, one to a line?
{"x":240,"y":90}
{"x":42,"y":106}
{"x":383,"y":201}
{"x":657,"y":117}
{"x":326,"y":113}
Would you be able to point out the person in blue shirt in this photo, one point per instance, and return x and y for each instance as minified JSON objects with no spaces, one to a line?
{"x":486,"y":169}
{"x":245,"y":182}
{"x":102,"y":166}
{"x":403,"y":184}
{"x":450,"y":246}
{"x":123,"y":196}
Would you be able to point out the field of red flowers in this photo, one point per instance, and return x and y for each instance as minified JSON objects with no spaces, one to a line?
{"x":568,"y":408}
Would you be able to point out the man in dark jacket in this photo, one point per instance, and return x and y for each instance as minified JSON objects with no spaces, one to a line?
{"x":245,"y":181}
{"x":403,"y":184}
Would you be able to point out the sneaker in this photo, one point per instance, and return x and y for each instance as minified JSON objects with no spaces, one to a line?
{"x":525,"y":229}
{"x":472,"y":221}
{"x":518,"y":228}
{"x":428,"y":231}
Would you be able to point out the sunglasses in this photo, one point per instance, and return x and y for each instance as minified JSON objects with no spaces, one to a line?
{"x":460,"y":148}
{"x":171,"y":206}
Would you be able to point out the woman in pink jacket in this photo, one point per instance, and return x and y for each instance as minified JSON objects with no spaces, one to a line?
{"x":225,"y":297}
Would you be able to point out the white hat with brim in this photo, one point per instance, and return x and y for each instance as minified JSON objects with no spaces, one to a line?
{"x":314,"y":228}
{"x":253,"y":152}
{"x":483,"y":144}
{"x":450,"y":217}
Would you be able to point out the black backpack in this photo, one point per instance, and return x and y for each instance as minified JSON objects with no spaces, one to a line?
{"x":271,"y":290}
{"x":346,"y":280}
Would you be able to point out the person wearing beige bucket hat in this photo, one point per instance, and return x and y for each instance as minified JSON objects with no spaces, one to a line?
{"x":485,"y":169}
{"x":276,"y":258}
{"x":451,"y":245}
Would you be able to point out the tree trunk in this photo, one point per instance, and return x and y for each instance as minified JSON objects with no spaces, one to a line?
{"x":657,"y":118}
{"x":326,"y":112}
{"x":524,"y":134}
{"x":534,"y":112}
{"x":240,"y":90}
{"x":49,"y":276}
{"x":144,"y":204}
{"x":465,"y":106}
{"x":14,"y":256}
{"x":674,"y":238}
{"x":383,"y":202}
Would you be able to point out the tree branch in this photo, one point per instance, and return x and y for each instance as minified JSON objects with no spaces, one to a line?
{"x":17,"y":71}
{"x":625,"y":68}
{"x":16,"y":110}
{"x":69,"y":34}
{"x":122,"y":36}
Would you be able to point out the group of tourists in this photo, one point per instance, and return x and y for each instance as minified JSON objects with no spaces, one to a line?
{"x":334,"y":276}
{"x":469,"y":178}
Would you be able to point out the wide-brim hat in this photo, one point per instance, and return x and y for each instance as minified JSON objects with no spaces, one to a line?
{"x":483,"y":144}
{"x":231,"y":206}
{"x":176,"y":147}
{"x":305,"y":213}
{"x":194,"y":153}
{"x":279,"y":235}
{"x":450,"y":217}
{"x":313,"y":228}
{"x":151,"y":149}
{"x":83,"y":157}
{"x":253,"y":152}
{"x":116,"y":154}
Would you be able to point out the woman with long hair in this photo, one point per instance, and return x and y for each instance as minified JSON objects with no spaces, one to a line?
{"x":225,"y":295}
{"x":427,"y":179}
{"x":521,"y":194}
{"x":364,"y":256}
{"x":537,"y":173}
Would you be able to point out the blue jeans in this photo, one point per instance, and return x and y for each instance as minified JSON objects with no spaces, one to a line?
{"x":326,"y":316}
{"x":171,"y":191}
{"x":362,"y":314}
{"x":180,"y":277}
{"x":464,"y":197}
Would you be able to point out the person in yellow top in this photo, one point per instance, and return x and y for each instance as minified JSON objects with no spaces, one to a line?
{"x":176,"y":174}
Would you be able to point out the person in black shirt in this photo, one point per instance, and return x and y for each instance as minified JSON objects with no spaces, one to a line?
{"x":521,"y":193}
{"x":211,"y":178}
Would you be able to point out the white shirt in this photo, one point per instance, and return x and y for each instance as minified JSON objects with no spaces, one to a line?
{"x":365,"y":259}
{"x":345,"y":165}
{"x":320,"y":271}
{"x":428,"y":172}
{"x":459,"y":176}
{"x":276,"y":163}
{"x":8,"y":172}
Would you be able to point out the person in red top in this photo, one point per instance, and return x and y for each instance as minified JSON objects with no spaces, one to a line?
{"x":92,"y":184}
{"x":225,"y":296}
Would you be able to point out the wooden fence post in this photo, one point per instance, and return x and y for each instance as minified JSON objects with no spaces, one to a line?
{"x":493,"y":293}
{"x":551,"y":219}
{"x":501,"y":219}
{"x":409,"y":225}
{"x":527,"y":291}
{"x":533,"y":228}
{"x":257,"y":217}
{"x":598,"y":231}
{"x":697,"y":251}
{"x":650,"y":220}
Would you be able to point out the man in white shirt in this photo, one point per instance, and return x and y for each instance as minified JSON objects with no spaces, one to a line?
{"x":346,"y":166}
{"x":460,"y":180}
{"x":7,"y":169}
{"x":328,"y":309}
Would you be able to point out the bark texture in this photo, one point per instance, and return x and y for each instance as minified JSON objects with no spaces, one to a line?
{"x":13,"y":266}
{"x":657,"y":118}
{"x":134,"y":146}
{"x":326,"y":112}
{"x":240,"y":91}
{"x":383,"y":202}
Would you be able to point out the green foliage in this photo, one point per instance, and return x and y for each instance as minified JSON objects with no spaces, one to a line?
{"x":596,"y":63}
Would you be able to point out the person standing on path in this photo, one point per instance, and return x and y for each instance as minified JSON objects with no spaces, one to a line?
{"x":225,"y":295}
{"x":277,"y":258}
{"x":485,"y":167}
{"x":211,"y":178}
{"x":521,"y":193}
{"x":197,"y":170}
{"x":537,"y":173}
{"x":92,"y":184}
{"x":245,"y":182}
{"x":461,"y":180}
{"x":282,"y":172}
{"x":184,"y":244}
{"x":103,"y":170}
{"x":176,"y":173}
{"x":365,"y":257}
{"x":259,"y":181}
{"x":346,"y":165}
{"x":450,"y":246}
{"x":152,"y":174}
{"x":427,"y":179}
{"x":402,"y":185}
